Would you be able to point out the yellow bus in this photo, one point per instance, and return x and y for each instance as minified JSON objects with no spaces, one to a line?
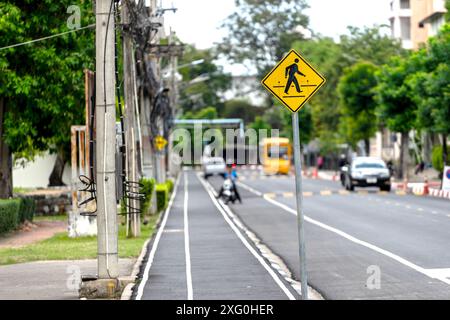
{"x":276,"y":155}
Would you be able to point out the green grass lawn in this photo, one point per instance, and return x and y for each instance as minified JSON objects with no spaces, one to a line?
{"x":50,"y":218}
{"x":61,"y":247}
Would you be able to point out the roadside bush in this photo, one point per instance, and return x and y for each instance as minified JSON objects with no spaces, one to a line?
{"x":169,"y":183}
{"x":436,"y":158}
{"x":162,"y":196}
{"x":9,"y":215}
{"x":148,"y":185}
{"x":26,"y":209}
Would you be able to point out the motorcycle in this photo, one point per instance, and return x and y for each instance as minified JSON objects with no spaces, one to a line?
{"x":228,"y":194}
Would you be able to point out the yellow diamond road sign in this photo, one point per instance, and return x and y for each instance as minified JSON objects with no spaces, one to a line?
{"x":160,"y":143}
{"x":293,"y":81}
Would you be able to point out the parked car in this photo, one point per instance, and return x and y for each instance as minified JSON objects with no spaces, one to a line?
{"x":212,"y":166}
{"x":366,"y":172}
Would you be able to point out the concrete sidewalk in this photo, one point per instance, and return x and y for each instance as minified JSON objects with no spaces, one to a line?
{"x":49,"y":280}
{"x":199,"y":253}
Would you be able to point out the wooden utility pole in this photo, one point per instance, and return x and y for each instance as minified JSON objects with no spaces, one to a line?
{"x":106,"y":141}
{"x":134,"y":221}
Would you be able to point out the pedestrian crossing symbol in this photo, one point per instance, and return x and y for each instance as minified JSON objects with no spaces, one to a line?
{"x":160,"y":143}
{"x":293,"y":81}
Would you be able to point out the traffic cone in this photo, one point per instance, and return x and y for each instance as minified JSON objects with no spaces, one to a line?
{"x":426,"y":188}
{"x":315,"y":173}
{"x":405,"y":185}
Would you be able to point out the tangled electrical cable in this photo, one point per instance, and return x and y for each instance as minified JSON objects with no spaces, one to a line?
{"x":131,"y":190}
{"x":89,"y":183}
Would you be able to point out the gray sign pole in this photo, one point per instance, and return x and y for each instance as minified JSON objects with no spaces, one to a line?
{"x":299,"y":197}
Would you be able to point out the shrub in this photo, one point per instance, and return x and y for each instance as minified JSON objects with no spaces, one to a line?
{"x":148,"y":185}
{"x":162,"y":196}
{"x":9,"y":215}
{"x":436,"y":158}
{"x":26,"y":209}
{"x":169,"y":183}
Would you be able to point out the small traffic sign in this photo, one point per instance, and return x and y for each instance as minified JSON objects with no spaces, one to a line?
{"x":293,"y":81}
{"x":160,"y":143}
{"x":446,"y":179}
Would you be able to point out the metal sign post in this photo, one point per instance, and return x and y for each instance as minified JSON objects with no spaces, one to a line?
{"x":294,"y":81}
{"x":299,"y":199}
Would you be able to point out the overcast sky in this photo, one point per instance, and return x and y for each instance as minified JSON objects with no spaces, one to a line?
{"x":197,"y":21}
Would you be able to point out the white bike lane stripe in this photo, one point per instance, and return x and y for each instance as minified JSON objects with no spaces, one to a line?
{"x":190,"y":291}
{"x":427,"y":272}
{"x":245,"y":242}
{"x":151,"y":256}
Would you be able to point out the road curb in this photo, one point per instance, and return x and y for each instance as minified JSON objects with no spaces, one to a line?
{"x":128,"y":291}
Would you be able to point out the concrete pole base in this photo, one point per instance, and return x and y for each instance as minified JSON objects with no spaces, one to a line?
{"x":93,"y":288}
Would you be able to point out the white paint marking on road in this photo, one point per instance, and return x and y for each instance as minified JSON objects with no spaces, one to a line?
{"x":245,"y":242}
{"x":362,"y":243}
{"x":190,"y":291}
{"x":420,"y":209}
{"x":151,"y":256}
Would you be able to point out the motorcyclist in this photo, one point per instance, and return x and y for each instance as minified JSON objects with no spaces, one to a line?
{"x":232,"y":175}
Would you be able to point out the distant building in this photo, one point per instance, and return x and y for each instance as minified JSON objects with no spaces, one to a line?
{"x":414,"y":21}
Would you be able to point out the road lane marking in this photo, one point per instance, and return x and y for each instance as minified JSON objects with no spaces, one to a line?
{"x":362,"y":242}
{"x":288,"y":194}
{"x":325,"y":193}
{"x":307,"y":194}
{"x":245,"y":242}
{"x":190,"y":291}
{"x":151,"y":255}
{"x":270,"y":195}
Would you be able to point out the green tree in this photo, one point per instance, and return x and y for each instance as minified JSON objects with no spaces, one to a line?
{"x":330,"y":59}
{"x":240,"y":108}
{"x":260,"y":32}
{"x":447,"y":6}
{"x":207,"y":113}
{"x":396,"y":105}
{"x":196,"y":93}
{"x":357,"y":104}
{"x":369,"y":44}
{"x":41,"y":84}
{"x":430,"y":86}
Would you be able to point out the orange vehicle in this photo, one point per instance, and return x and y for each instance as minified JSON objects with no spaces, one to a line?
{"x":276,"y":155}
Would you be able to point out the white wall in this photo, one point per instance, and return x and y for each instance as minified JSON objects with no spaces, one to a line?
{"x":35,"y":174}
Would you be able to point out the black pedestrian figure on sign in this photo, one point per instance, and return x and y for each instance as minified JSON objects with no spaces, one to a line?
{"x":292,"y":70}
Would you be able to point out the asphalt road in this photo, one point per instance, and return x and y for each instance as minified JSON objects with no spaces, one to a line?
{"x":200,"y":253}
{"x":351,"y":238}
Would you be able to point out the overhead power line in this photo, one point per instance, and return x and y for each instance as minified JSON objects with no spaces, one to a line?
{"x":46,"y":38}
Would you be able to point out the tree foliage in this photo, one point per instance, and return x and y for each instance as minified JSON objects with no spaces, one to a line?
{"x":260,"y":32}
{"x":240,"y":108}
{"x":42,"y":84}
{"x":331,"y":59}
{"x":357,"y":103}
{"x":196,"y":95}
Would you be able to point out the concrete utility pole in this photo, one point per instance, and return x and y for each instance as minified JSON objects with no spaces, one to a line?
{"x":106,"y":141}
{"x":130,"y":121}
